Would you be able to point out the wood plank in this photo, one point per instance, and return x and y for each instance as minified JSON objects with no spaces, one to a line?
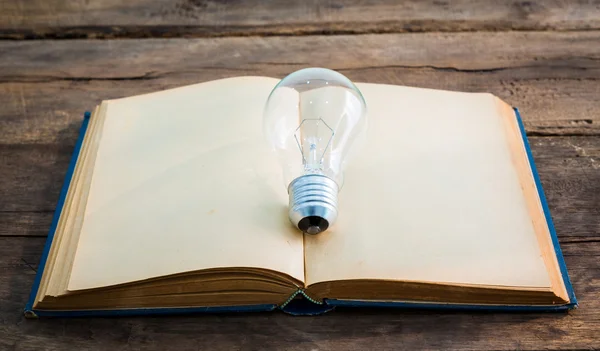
{"x":31,"y":178}
{"x":569,"y":169}
{"x":27,"y":223}
{"x":49,"y":112}
{"x":552,"y":77}
{"x":573,"y":54}
{"x":202,"y":18}
{"x":342,"y":329}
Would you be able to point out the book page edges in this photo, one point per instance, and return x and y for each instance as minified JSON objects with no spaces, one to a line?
{"x":408,"y":304}
{"x":524,"y":167}
{"x":59,"y":207}
{"x":130,"y":312}
{"x":69,"y":227}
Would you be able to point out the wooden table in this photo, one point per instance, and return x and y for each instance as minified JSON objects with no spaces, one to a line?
{"x":60,"y":58}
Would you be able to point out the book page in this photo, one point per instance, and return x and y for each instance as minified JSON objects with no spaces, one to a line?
{"x":432,"y":197}
{"x":183,"y":181}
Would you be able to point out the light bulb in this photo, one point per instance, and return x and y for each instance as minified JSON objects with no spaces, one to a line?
{"x":312,"y":119}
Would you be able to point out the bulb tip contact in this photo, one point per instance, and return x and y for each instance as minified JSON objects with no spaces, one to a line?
{"x":313,"y":225}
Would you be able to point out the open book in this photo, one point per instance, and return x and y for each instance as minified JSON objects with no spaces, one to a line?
{"x":174,"y":202}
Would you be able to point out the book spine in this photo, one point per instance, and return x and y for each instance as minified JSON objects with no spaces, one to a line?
{"x":300,"y":304}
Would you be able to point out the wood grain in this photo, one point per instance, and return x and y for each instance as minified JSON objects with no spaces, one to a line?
{"x":27,"y":223}
{"x":48,"y":112}
{"x":27,"y":19}
{"x":553,"y":78}
{"x":572,"y":54}
{"x":31,"y":177}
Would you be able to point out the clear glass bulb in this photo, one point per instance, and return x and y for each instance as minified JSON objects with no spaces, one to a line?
{"x":312,"y":119}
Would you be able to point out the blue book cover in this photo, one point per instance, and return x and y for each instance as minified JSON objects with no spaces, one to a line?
{"x":298,"y":303}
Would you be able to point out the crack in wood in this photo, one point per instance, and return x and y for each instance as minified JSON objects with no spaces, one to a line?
{"x":155,"y":75}
{"x":24,"y":236}
{"x":538,"y":133}
{"x":26,"y":211}
{"x":46,"y":79}
{"x":28,"y":265}
{"x":579,"y":241}
{"x":297,"y":29}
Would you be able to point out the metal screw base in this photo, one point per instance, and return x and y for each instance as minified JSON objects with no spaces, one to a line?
{"x":313,"y":203}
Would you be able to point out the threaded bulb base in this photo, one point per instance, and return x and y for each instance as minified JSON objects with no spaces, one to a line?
{"x":313,"y":203}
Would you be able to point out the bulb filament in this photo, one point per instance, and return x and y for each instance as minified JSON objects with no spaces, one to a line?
{"x":313,"y":137}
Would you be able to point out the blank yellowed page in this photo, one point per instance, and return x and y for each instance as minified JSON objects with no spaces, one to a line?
{"x":433,"y":197}
{"x":183,"y":181}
